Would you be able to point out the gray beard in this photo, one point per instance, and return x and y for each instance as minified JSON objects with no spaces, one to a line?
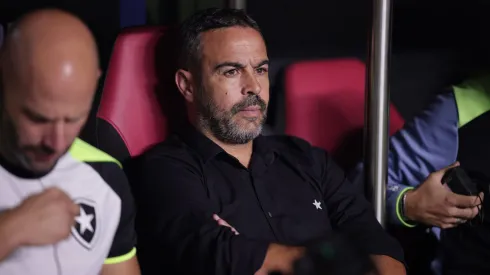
{"x":221,"y":124}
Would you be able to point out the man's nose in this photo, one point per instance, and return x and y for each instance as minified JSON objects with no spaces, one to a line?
{"x":251,"y":84}
{"x":55,"y":138}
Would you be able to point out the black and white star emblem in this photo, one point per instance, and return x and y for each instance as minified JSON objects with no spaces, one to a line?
{"x":85,"y":224}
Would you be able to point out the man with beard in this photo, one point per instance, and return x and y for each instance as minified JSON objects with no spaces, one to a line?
{"x":219,"y":198}
{"x":65,"y":207}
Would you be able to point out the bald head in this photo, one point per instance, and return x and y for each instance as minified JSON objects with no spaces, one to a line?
{"x":49,"y":44}
{"x":49,"y":70}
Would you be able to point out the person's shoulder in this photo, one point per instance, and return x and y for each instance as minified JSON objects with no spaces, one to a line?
{"x":172,"y":145}
{"x":107,"y":167}
{"x":87,"y":153}
{"x":173,"y":148}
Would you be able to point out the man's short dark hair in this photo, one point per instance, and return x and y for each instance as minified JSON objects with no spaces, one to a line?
{"x":206,"y":20}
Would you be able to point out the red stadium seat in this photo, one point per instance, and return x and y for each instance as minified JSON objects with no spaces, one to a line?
{"x":324,"y":102}
{"x":130,"y":118}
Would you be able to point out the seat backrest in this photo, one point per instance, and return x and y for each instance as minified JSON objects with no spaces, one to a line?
{"x":324,"y":102}
{"x":130,"y":118}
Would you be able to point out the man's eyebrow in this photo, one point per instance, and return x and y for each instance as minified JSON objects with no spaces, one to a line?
{"x":262,"y":63}
{"x":35,"y":115}
{"x":239,"y":65}
{"x":229,"y":64}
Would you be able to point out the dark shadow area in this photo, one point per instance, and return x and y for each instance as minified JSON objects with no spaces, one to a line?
{"x":349,"y":151}
{"x":170,"y":99}
{"x":420,"y":247}
{"x":275,"y":110}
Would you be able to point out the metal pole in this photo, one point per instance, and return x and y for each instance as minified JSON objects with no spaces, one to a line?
{"x":237,"y":4}
{"x":377,"y":107}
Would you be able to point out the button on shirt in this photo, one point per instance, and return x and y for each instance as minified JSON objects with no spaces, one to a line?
{"x":291,"y":193}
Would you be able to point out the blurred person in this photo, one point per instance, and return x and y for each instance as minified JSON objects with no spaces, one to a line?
{"x":217,"y":197}
{"x":453,"y":129}
{"x":65,"y":206}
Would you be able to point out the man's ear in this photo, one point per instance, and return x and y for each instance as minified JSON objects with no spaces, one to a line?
{"x":184,"y":82}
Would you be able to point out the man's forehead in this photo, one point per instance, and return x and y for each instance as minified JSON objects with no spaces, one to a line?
{"x":50,"y":109}
{"x":225,"y":44}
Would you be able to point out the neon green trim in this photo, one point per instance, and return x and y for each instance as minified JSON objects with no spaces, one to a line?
{"x":122,"y":258}
{"x":82,"y":151}
{"x":472,"y":99}
{"x":398,"y":211}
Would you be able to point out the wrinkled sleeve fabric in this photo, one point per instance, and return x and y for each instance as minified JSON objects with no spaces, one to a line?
{"x":351,"y":213}
{"x":178,"y":233}
{"x":429,"y":142}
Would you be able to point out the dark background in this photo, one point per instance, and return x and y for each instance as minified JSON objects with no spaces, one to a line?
{"x":435,"y":43}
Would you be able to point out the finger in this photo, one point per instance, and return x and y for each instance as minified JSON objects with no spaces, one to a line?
{"x":481,"y":196}
{"x":446,"y":187}
{"x":439,"y":174}
{"x":454,"y":220}
{"x":463,"y":213}
{"x":220,"y":221}
{"x":52,"y":191}
{"x":448,"y":225}
{"x":60,"y":195}
{"x":223,"y":223}
{"x":462,"y":201}
{"x":74,"y":209}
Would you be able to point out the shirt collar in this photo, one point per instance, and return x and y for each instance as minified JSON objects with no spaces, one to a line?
{"x":207,"y":149}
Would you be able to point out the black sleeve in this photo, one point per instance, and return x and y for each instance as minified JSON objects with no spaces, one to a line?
{"x":177,"y":234}
{"x":125,"y":239}
{"x":351,"y":213}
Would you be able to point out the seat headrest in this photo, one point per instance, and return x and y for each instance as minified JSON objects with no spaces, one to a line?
{"x":130,"y":106}
{"x":325,"y":103}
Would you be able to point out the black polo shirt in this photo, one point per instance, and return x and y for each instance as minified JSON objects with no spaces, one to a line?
{"x":291,"y":194}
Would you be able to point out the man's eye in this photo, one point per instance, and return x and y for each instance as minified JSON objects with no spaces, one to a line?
{"x":38,"y":119}
{"x":231,"y":72}
{"x":261,"y":70}
{"x":72,"y":120}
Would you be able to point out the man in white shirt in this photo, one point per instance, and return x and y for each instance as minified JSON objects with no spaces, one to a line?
{"x":65,"y":206}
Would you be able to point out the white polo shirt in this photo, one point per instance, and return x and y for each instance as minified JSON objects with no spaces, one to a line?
{"x":104,"y":230}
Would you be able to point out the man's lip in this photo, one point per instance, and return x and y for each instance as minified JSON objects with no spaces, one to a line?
{"x":251,"y":108}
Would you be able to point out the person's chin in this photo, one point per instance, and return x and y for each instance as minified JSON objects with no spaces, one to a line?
{"x":249,"y":122}
{"x":43,"y":167}
{"x":249,"y":127}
